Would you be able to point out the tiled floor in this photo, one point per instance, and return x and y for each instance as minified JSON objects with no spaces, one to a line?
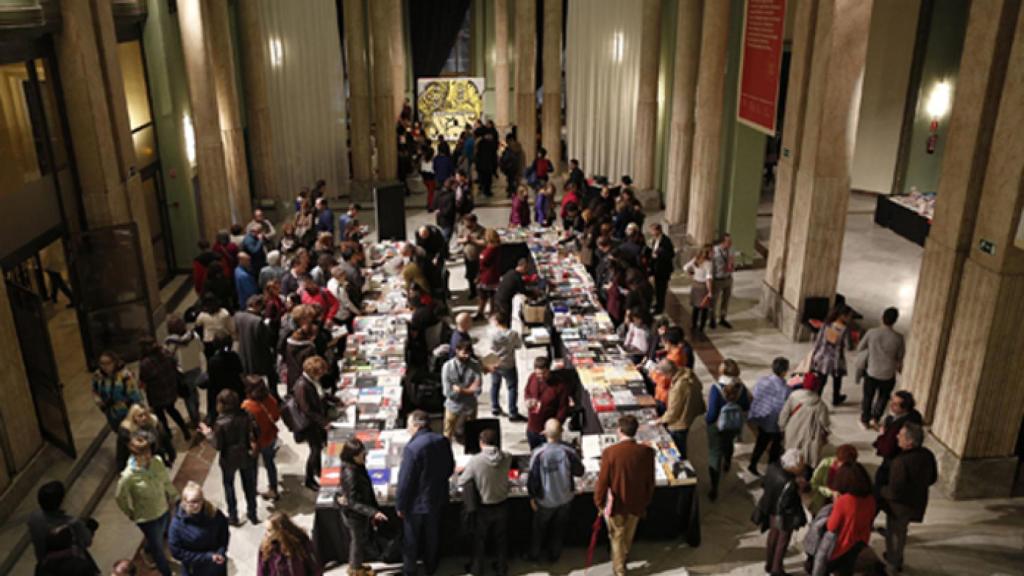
{"x":879,"y":270}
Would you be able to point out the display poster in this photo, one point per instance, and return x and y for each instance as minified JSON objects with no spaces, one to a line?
{"x":761,"y":63}
{"x":446,"y":105}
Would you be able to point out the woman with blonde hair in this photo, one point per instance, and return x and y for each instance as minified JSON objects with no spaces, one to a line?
{"x":286,"y":550}
{"x":700,"y":269}
{"x":140,"y":421}
{"x":198,"y":535}
{"x":728,"y":400}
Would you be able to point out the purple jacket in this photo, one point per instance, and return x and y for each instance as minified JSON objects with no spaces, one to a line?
{"x":277,"y":564}
{"x":520,"y":214}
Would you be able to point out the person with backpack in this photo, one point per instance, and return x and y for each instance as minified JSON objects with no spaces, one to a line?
{"x":780,"y":511}
{"x":234,"y":436}
{"x":727,"y":403}
{"x":804,"y":421}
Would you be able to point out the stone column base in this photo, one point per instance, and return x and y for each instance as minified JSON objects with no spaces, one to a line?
{"x":964,"y":479}
{"x":649,"y":199}
{"x":360,"y":191}
{"x":677,"y":234}
{"x":784,"y":316}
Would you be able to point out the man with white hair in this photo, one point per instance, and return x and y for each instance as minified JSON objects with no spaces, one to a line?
{"x":273,"y":270}
{"x":552,"y":467}
{"x":780,"y":511}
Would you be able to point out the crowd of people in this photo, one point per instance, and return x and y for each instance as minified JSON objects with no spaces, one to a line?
{"x":273,"y":310}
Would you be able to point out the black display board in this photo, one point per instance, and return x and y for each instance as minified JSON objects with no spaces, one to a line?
{"x":389,"y":206}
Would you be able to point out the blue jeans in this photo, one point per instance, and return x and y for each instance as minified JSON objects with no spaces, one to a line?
{"x":268,"y":454}
{"x":154,"y":533}
{"x":248,"y":488}
{"x":511,"y":377}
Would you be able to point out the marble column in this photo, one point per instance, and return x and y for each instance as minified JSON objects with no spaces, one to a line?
{"x":359,"y":88}
{"x":501,"y":78}
{"x":684,"y":94}
{"x":255,"y":46}
{"x":979,"y":87}
{"x":526,"y":84}
{"x":211,"y":165}
{"x":822,"y":191}
{"x":398,"y":59}
{"x":646,"y":135}
{"x":385,"y":114}
{"x":707,"y":140}
{"x":222,"y":62}
{"x":980,"y":401}
{"x":97,"y":114}
{"x":551,"y":111}
{"x":804,"y":22}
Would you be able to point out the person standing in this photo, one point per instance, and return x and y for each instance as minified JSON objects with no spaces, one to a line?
{"x":504,"y":343}
{"x":427,"y":174}
{"x":324,"y":216}
{"x":51,"y":516}
{"x":254,"y":245}
{"x":555,"y":464}
{"x":701,"y":304}
{"x":198,"y":535}
{"x":723,"y":261}
{"x":234,"y":436}
{"x":663,"y":255}
{"x":461,"y":379}
{"x":828,"y":357}
{"x":445,"y":205}
{"x":224,"y":371}
{"x":272,"y":271}
{"x":63,"y":557}
{"x":486,"y":162}
{"x":780,"y":511}
{"x":727,"y":401}
{"x":546,"y":398}
{"x":901,"y":413}
{"x":512,"y":163}
{"x":255,"y":341}
{"x":245,"y":279}
{"x":490,"y":272}
{"x":770,"y":394}
{"x":265,"y":412}
{"x":309,"y":399}
{"x":685,"y":404}
{"x":511,"y":283}
{"x":911,"y":473}
{"x":422,"y":492}
{"x":158,"y":373}
{"x":114,"y":389}
{"x":624,"y":488}
{"x":488,"y":473}
{"x":473,"y":243}
{"x":804,"y":421}
{"x":850,"y":521}
{"x":143,"y":493}
{"x":359,"y":508}
{"x":286,"y":550}
{"x":519,"y":215}
{"x":880,"y":352}
{"x":140,"y":421}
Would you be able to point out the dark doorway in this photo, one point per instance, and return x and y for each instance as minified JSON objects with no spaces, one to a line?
{"x":40,"y":366}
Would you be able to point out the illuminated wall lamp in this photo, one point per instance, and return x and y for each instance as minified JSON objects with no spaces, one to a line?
{"x":937,"y":107}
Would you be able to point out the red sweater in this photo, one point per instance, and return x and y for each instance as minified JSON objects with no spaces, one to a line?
{"x":851,"y":520}
{"x":328,"y":303}
{"x":490,"y":273}
{"x":553,"y":403}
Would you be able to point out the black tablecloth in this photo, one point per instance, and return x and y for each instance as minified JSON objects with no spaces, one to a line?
{"x":674,"y":512}
{"x":901,"y":220}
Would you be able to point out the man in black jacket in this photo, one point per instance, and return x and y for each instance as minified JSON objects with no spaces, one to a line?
{"x":911,"y":473}
{"x":663,"y":255}
{"x":511,"y":283}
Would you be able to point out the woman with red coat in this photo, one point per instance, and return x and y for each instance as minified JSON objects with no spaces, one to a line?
{"x":490,"y":273}
{"x":853,"y":513}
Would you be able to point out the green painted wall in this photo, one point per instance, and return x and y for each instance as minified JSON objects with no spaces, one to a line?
{"x":742,"y":155}
{"x":941,"y":62}
{"x":482,"y":53}
{"x":169,"y":92}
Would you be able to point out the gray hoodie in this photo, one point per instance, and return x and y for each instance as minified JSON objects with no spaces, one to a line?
{"x":504,"y":344}
{"x":489,"y":472}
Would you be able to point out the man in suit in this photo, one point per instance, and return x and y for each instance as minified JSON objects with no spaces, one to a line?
{"x":427,"y":466}
{"x":625,"y":486}
{"x":663,"y":255}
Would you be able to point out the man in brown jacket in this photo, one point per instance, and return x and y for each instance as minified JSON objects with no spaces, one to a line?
{"x":685,"y":404}
{"x":911,"y":473}
{"x":624,"y":488}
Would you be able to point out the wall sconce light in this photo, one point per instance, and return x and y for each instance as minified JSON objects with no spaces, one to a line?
{"x":276,"y":52}
{"x":937,"y":107}
{"x":190,"y":139}
{"x":618,"y":46}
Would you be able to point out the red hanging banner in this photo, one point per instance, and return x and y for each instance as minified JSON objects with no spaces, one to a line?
{"x":763,"y":24}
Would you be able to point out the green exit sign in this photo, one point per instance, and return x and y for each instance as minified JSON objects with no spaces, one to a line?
{"x":987,"y":246}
